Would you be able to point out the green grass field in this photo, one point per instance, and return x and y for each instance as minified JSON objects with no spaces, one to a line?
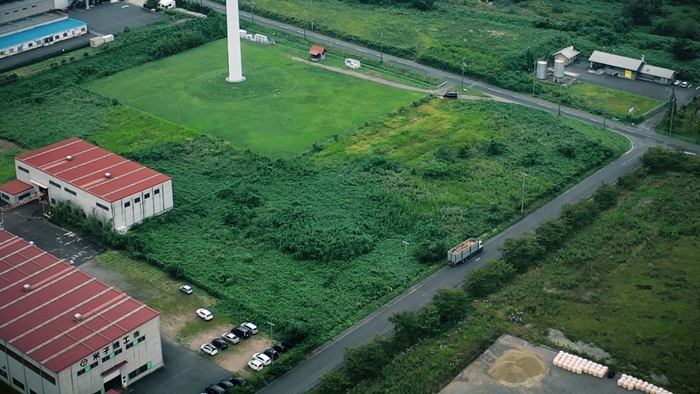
{"x":615,"y":102}
{"x":282,"y":109}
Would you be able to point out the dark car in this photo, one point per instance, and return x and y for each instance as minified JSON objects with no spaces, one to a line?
{"x":219,"y":343}
{"x":214,"y":389}
{"x":272,"y":353}
{"x":237,"y":381}
{"x":225,"y":384}
{"x":242,"y":332}
{"x":288,"y":344}
{"x":451,"y":95}
{"x":280,"y":348}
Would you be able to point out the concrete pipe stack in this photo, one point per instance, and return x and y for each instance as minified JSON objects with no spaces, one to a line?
{"x":631,"y":383}
{"x":579,"y":365}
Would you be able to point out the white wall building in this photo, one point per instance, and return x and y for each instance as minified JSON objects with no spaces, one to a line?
{"x":64,"y":332}
{"x":101,"y":182}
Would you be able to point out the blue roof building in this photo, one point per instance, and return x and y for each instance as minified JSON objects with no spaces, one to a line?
{"x":41,"y":36}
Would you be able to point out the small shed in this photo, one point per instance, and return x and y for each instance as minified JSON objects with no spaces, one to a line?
{"x":14,"y":191}
{"x":317,"y":52}
{"x":568,"y":55}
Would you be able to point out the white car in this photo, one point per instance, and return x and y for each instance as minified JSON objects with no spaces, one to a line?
{"x":685,"y":84}
{"x":255,"y":365}
{"x":209,"y":349}
{"x":230,"y":338}
{"x":262,"y":358}
{"x":676,"y":82}
{"x":204,"y":314}
{"x":252,"y":327}
{"x":186,"y":289}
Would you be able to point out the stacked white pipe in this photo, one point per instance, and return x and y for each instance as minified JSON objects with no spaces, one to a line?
{"x":578,"y":365}
{"x":631,"y":383}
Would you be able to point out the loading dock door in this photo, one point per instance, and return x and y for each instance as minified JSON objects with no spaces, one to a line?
{"x":628,"y":74}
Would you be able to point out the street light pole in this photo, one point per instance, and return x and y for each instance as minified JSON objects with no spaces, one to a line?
{"x":522,"y":195}
{"x":560,"y":99}
{"x":405,"y":256}
{"x":252,"y":12}
{"x":673,"y":111}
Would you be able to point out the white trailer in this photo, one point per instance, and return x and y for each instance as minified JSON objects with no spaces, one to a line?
{"x":464,"y":251}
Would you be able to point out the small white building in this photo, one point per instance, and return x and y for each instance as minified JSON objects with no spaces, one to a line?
{"x":41,"y":36}
{"x":101,"y":182}
{"x":64,"y":332}
{"x":14,"y":191}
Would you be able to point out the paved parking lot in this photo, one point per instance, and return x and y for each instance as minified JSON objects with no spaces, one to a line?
{"x":638,"y":87}
{"x":109,"y":18}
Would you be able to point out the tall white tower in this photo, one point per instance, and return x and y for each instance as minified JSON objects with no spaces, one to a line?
{"x":235,"y":69}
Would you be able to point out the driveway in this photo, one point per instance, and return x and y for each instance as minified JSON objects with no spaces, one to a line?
{"x":102,"y":19}
{"x":637,"y":87}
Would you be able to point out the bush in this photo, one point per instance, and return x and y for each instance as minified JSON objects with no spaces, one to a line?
{"x":580,"y":214}
{"x":523,"y":252}
{"x":489,"y":278}
{"x":451,"y":305}
{"x":366,"y":361}
{"x":606,"y":196}
{"x":551,"y":233}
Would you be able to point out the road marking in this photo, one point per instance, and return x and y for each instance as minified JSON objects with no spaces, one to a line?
{"x":399,"y":61}
{"x":478,"y":259}
{"x":547,"y":106}
{"x":362,"y":50}
{"x":494,"y":90}
{"x":628,"y":161}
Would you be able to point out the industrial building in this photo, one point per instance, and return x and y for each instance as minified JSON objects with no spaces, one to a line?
{"x":65,"y":332}
{"x":568,"y":55}
{"x":14,"y":191}
{"x":625,"y":67}
{"x":113,"y":188}
{"x":41,"y":36}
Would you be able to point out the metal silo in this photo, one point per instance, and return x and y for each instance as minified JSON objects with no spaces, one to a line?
{"x":542,"y":69}
{"x":559,"y":68}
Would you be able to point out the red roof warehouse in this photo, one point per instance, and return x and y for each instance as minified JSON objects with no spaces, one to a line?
{"x":56,"y":320}
{"x":115,"y":188}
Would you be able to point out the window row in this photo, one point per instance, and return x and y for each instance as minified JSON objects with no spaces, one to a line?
{"x":69,"y":191}
{"x":102,"y":206}
{"x":23,"y":169}
{"x":138,"y":199}
{"x":112,"y":355}
{"x":140,"y":370}
{"x":52,"y":183}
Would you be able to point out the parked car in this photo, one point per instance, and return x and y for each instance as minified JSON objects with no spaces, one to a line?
{"x":214,"y":389}
{"x":209,"y":349}
{"x":676,"y":82}
{"x":252,"y":327}
{"x":280,"y":348}
{"x":241,"y":332}
{"x":272,"y":353}
{"x":263,"y":358}
{"x":237,"y":381}
{"x":451,"y":95}
{"x":187,"y":289}
{"x":204,"y":314}
{"x":255,"y":365}
{"x":288,"y":344}
{"x":225,"y":384}
{"x":684,"y":84}
{"x":230,"y":338}
{"x":219,"y":343}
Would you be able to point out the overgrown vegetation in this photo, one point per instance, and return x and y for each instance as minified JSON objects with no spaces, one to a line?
{"x":682,"y":120}
{"x":494,"y":37}
{"x":625,"y":281}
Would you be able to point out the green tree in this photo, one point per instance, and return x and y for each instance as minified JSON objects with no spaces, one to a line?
{"x":489,"y":278}
{"x":580,"y":214}
{"x":684,"y":49}
{"x":451,"y":305}
{"x":606,"y":196}
{"x":522,"y":252}
{"x":551,"y":233}
{"x":366,"y":361}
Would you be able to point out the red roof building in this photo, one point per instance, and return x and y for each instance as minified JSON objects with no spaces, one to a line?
{"x":114,"y":188}
{"x":317,"y":52}
{"x":13,"y":191}
{"x":63,"y":331}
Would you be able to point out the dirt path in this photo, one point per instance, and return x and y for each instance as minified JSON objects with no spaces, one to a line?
{"x":441,"y":91}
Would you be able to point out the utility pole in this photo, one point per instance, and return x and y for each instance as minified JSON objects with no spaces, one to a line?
{"x":464,"y":65}
{"x":405,"y":256}
{"x":673,"y":111}
{"x":522,"y":195}
{"x":252,"y":12}
{"x":381,"y":47}
{"x":312,"y":15}
{"x":605,"y":109}
{"x":560,"y":99}
{"x":272,"y":338}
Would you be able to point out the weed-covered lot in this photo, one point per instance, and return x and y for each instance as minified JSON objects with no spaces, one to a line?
{"x":282,"y":109}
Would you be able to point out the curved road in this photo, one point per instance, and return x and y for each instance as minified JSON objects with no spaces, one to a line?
{"x":330,"y":356}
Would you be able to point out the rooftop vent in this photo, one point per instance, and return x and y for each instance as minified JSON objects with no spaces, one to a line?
{"x":108,"y":174}
{"x":31,"y":243}
{"x":78,"y":317}
{"x":69,"y":158}
{"x":27,"y":287}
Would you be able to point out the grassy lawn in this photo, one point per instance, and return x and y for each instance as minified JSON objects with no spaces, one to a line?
{"x":614,"y":102}
{"x":282,"y":109}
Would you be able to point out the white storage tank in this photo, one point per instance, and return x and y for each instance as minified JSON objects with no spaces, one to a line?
{"x":559,"y":68}
{"x":108,"y":37}
{"x":542,"y":69}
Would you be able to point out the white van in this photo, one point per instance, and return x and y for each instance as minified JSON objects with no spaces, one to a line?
{"x":166,"y":4}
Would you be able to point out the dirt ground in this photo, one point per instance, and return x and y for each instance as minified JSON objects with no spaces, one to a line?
{"x":235,"y":358}
{"x":476,"y":379}
{"x":7,"y":146}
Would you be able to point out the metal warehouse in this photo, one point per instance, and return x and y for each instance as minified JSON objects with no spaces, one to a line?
{"x":108,"y":185}
{"x":625,"y":67}
{"x":65,"y":332}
